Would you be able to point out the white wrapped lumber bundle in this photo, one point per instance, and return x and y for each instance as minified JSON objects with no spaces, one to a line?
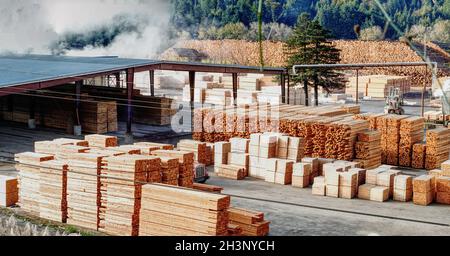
{"x":53,"y":190}
{"x":438,"y":147}
{"x":251,"y":222}
{"x":172,"y":211}
{"x":29,"y":180}
{"x":411,"y":132}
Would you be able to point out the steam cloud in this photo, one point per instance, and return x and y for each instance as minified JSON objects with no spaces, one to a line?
{"x":125,"y":28}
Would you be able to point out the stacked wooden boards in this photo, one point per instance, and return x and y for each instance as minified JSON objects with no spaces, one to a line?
{"x":438,"y":147}
{"x":53,"y":190}
{"x":419,"y":155}
{"x":101,"y":141}
{"x":121,"y":180}
{"x":29,"y":185}
{"x":9,"y":191}
{"x":252,"y":223}
{"x":54,"y":111}
{"x":411,"y":132}
{"x":170,"y":211}
{"x":368,"y":149}
{"x":186,"y":165}
{"x":377,"y":86}
{"x":199,"y":149}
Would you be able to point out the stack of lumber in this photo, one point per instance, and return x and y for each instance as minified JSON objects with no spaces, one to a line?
{"x":53,"y":147}
{"x":126,"y":149}
{"x":377,"y":86}
{"x":9,"y":192}
{"x":230,"y":171}
{"x":66,"y":151}
{"x":171,"y":211}
{"x":403,"y":188}
{"x":198,"y":148}
{"x":121,"y":179}
{"x":418,"y":155}
{"x":301,"y":175}
{"x":148,"y":147}
{"x":250,"y":83}
{"x":29,"y":180}
{"x":101,"y":141}
{"x":59,"y":112}
{"x":368,"y":149}
{"x":424,"y":189}
{"x":314,"y":162}
{"x":186,"y":165}
{"x":341,"y":138}
{"x":284,"y":172}
{"x":208,"y":188}
{"x":433,"y":116}
{"x":438,"y":147}
{"x":53,"y":190}
{"x":170,"y":170}
{"x":371,"y":117}
{"x":252,"y":223}
{"x":221,"y":151}
{"x":83,"y":190}
{"x":411,"y":132}
{"x":234,"y":230}
{"x":393,"y":138}
{"x":380,"y":185}
{"x":222,"y":97}
{"x":443,"y":183}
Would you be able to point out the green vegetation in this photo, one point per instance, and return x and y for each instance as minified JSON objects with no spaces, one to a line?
{"x":310,"y":44}
{"x":236,"y":19}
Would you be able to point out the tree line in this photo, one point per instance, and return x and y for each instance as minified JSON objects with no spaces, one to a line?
{"x":345,"y":19}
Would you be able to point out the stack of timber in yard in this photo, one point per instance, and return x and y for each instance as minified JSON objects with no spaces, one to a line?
{"x":54,"y":111}
{"x":434,"y":116}
{"x":393,"y":138}
{"x":208,"y":188}
{"x":29,"y":180}
{"x":199,"y":149}
{"x":418,"y":155}
{"x":403,"y":188}
{"x":121,"y":180}
{"x":170,"y":170}
{"x":424,"y":189}
{"x":147,"y":147}
{"x":252,"y":223}
{"x":170,"y":211}
{"x":9,"y":191}
{"x":411,"y":132}
{"x":443,"y":184}
{"x":368,"y":149}
{"x":66,"y":151}
{"x":53,"y":190}
{"x":101,"y":141}
{"x":146,"y":109}
{"x":54,"y":147}
{"x":377,"y":86}
{"x":186,"y":165}
{"x":380,"y":185}
{"x":438,"y":147}
{"x":84,"y":190}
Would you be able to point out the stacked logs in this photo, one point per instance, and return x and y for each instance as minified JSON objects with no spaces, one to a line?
{"x":411,"y":132}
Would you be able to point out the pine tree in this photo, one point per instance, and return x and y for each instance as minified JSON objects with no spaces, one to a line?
{"x":310,"y":44}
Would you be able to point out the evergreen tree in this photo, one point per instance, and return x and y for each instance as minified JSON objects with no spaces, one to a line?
{"x":310,"y":44}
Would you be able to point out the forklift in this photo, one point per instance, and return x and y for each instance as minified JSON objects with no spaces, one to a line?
{"x":394,"y":101}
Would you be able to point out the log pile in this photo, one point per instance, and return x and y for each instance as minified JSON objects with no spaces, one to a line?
{"x":53,"y":190}
{"x":121,"y":180}
{"x":438,"y":147}
{"x":170,"y":211}
{"x":252,"y":223}
{"x":83,"y":190}
{"x":418,"y":155}
{"x":411,"y":132}
{"x":29,"y":180}
{"x":368,"y":149}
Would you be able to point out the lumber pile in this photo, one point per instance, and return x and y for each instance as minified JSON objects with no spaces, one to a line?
{"x":170,"y":170}
{"x":341,"y":138}
{"x":53,"y":190}
{"x":54,"y":147}
{"x":368,"y":149}
{"x":393,"y":138}
{"x":438,"y":147}
{"x":208,"y":188}
{"x":380,"y":185}
{"x":230,"y":171}
{"x":411,"y":132}
{"x":171,"y":211}
{"x":101,"y":141}
{"x":418,"y":155}
{"x":252,"y":223}
{"x":9,"y":192}
{"x":29,"y":180}
{"x":424,"y":190}
{"x":121,"y":180}
{"x":376,"y":86}
{"x":147,"y":147}
{"x":301,"y":175}
{"x":186,"y":165}
{"x":403,"y":188}
{"x":66,"y":151}
{"x":199,"y":149}
{"x":83,"y":190}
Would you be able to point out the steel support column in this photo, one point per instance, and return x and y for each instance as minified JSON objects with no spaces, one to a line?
{"x":305,"y":87}
{"x":117,"y":75}
{"x":130,"y":87}
{"x":32,"y":105}
{"x":152,"y":82}
{"x":357,"y":86}
{"x":283,"y":88}
{"x":288,"y":89}
{"x":235,"y":87}
{"x":78,"y":85}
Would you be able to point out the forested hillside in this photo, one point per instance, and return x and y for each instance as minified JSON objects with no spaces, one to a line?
{"x":236,"y":19}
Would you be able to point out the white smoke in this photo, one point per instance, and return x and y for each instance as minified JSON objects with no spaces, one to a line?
{"x":33,"y":26}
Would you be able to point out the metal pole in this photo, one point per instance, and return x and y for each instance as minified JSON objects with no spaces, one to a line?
{"x":235,"y":87}
{"x":117,"y":75}
{"x":78,"y":85}
{"x":283,"y":88}
{"x":130,"y":86}
{"x":423,"y":92}
{"x":305,"y":87}
{"x":192,"y":98}
{"x":357,"y":86}
{"x":152,"y":82}
{"x":288,"y":89}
